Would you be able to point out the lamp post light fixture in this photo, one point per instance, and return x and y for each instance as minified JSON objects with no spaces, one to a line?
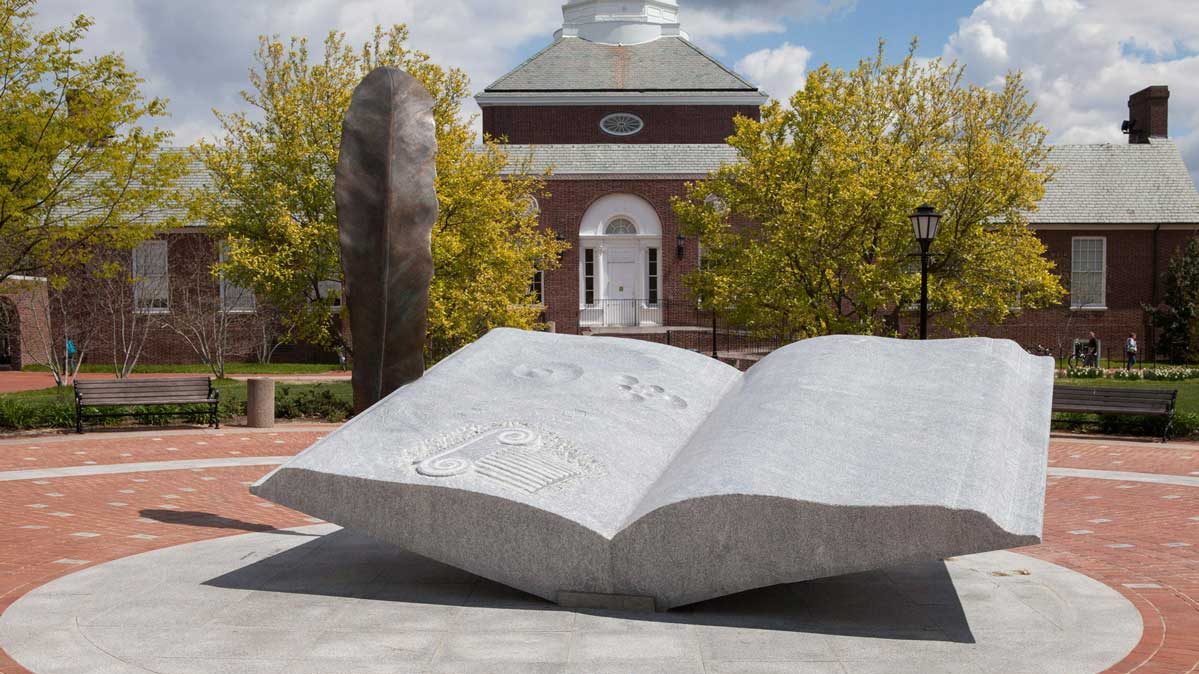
{"x":925,"y":222}
{"x":680,"y":242}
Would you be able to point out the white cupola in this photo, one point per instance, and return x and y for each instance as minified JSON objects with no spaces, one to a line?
{"x":620,"y":21}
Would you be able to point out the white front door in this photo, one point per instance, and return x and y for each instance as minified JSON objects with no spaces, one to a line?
{"x":620,"y":292}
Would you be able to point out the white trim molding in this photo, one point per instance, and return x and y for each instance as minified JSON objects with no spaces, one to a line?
{"x":519,"y":98}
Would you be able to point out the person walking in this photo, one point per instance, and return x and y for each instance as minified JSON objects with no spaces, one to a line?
{"x":1130,"y":351}
{"x":1092,"y":359}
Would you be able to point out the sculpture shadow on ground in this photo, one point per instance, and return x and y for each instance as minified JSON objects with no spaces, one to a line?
{"x":202,"y":519}
{"x":918,"y":602}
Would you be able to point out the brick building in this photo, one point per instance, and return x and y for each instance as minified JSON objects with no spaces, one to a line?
{"x":624,"y":110}
{"x":1112,"y":218}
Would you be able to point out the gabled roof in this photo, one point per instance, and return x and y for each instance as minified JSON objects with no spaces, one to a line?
{"x":667,"y":66}
{"x":1119,"y":184}
{"x":689,"y":161}
{"x":195,"y":176}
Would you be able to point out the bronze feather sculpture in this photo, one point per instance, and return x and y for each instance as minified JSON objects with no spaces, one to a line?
{"x":386,"y":207}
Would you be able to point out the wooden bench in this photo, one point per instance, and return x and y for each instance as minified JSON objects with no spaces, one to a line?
{"x":177,"y":392}
{"x":1115,"y":400}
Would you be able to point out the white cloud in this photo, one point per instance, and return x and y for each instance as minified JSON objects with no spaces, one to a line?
{"x":1082,"y":59}
{"x":780,"y":72}
{"x":198,"y":54}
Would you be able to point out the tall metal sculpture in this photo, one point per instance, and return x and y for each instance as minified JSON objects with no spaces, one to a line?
{"x":386,"y":207}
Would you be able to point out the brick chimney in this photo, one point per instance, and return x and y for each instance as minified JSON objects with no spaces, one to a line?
{"x":1148,"y":114}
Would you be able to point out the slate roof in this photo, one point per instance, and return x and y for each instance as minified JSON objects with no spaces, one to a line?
{"x":195,"y":176}
{"x":689,"y":160}
{"x":1094,"y":184}
{"x":1119,"y":184}
{"x":666,"y":65}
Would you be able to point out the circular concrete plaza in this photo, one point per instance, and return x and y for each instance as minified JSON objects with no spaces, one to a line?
{"x":144,"y":552}
{"x":320,"y":600}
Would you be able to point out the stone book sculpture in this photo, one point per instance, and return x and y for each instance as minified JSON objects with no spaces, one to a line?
{"x":614,"y":472}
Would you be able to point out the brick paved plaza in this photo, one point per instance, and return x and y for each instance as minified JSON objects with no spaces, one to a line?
{"x":1123,"y":513}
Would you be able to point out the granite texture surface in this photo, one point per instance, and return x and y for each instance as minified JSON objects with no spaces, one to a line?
{"x":585,"y":465}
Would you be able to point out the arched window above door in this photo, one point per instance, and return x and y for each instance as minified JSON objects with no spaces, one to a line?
{"x":605,"y":215}
{"x":618,"y":226}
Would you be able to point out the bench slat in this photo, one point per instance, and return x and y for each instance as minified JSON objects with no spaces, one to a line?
{"x":1155,"y":402}
{"x":179,"y":390}
{"x":160,"y":401}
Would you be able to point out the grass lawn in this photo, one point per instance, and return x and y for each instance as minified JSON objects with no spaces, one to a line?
{"x":55,"y":407}
{"x":200,"y":368}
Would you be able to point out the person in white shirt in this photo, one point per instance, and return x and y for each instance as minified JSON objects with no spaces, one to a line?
{"x":1130,"y":351}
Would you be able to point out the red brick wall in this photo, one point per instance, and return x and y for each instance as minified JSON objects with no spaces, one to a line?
{"x":1130,"y":264}
{"x":1149,"y":110}
{"x":563,"y":211}
{"x":189,"y":257}
{"x":29,"y":337}
{"x":524,"y":125}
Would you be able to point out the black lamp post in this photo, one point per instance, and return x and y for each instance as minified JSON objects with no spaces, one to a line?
{"x":925,"y":222}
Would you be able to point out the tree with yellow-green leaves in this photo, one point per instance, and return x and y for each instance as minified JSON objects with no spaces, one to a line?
{"x":272,"y":196}
{"x":808,"y":234}
{"x":79,"y":175}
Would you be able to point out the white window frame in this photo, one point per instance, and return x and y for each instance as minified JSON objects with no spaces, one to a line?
{"x":1102,"y":304}
{"x":226,"y":284}
{"x":653,"y":276}
{"x":604,"y":122}
{"x":142,"y":283}
{"x":537,"y":287}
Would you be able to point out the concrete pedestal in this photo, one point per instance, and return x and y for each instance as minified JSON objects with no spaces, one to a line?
{"x":260,"y":403}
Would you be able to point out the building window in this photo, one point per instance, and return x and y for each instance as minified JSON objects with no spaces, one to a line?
{"x":1088,"y":273}
{"x":622,"y":124}
{"x":151,"y":283}
{"x":588,"y":276}
{"x":537,"y":287}
{"x":234,"y":298}
{"x":529,"y":206}
{"x":652,"y":273}
{"x":620,"y":226}
{"x":330,"y":289}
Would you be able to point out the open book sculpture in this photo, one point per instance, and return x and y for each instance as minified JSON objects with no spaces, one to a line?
{"x":579,"y":468}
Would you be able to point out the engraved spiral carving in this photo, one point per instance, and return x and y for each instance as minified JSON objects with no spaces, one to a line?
{"x":444,"y":465}
{"x":509,"y":456}
{"x":517,"y":437}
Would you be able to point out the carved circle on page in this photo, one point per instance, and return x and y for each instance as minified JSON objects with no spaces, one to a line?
{"x":517,"y":437}
{"x":548,"y":373}
{"x":444,"y":466}
{"x":632,"y":390}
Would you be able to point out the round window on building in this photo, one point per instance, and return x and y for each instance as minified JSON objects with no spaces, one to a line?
{"x":622,"y":124}
{"x":527,"y":205}
{"x":717,"y":204}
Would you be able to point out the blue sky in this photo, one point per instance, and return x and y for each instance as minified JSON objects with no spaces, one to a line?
{"x":845,"y":37}
{"x":1081,"y":58}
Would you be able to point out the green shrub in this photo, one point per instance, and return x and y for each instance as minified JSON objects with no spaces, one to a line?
{"x":23,"y":414}
{"x":1127,"y":375}
{"x":318,"y":402}
{"x":1186,"y":424}
{"x":1084,"y":373}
